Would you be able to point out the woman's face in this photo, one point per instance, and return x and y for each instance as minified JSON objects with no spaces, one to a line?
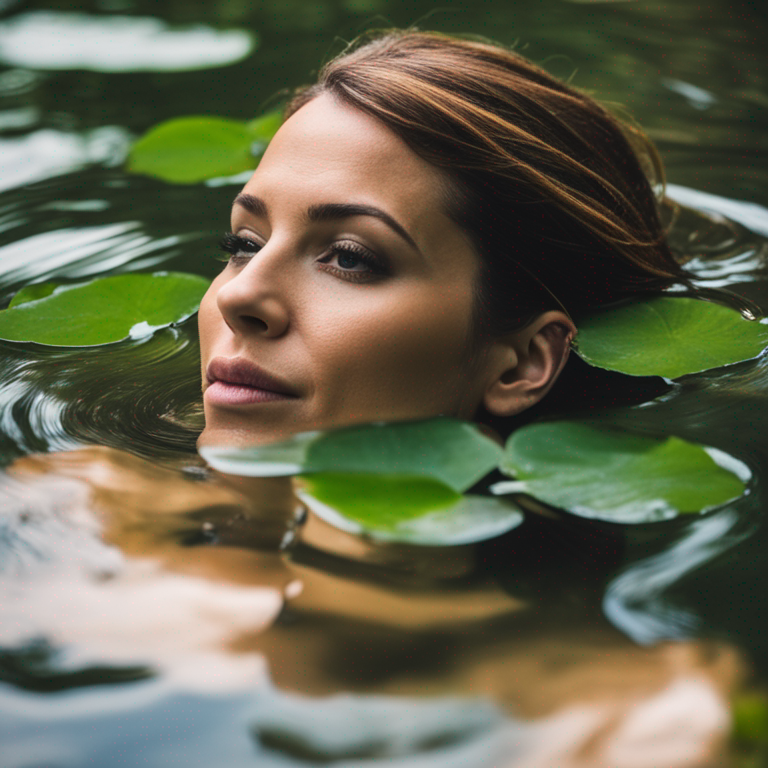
{"x":348,"y":295}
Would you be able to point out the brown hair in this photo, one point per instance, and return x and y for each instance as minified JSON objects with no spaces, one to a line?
{"x":553,"y":190}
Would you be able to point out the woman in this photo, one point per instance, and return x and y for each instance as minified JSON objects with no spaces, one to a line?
{"x":421,"y":238}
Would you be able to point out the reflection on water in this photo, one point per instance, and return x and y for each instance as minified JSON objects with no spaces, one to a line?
{"x":635,"y":600}
{"x":152,"y":614}
{"x":46,"y":153}
{"x":142,"y":393}
{"x":49,"y":40}
{"x":138,"y":568}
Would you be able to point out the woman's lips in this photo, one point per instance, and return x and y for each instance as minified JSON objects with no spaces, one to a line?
{"x":237,"y":381}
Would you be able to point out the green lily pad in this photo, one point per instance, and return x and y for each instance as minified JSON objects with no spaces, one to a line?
{"x":406,"y":509}
{"x":599,"y":472}
{"x":187,"y":150}
{"x":265,"y":127}
{"x":453,"y":452}
{"x":750,"y":719}
{"x":669,"y":337}
{"x":32,"y":293}
{"x":282,"y":459}
{"x":103,"y":310}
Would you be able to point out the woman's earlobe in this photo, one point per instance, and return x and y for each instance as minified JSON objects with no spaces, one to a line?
{"x":527,"y":363}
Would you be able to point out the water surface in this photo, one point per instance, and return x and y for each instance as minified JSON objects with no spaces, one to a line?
{"x":149,"y":617}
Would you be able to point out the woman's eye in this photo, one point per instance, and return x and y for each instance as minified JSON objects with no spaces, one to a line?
{"x":238,"y":248}
{"x":352,"y":261}
{"x":349,"y":260}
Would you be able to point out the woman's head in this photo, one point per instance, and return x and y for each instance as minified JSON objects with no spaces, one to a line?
{"x":553,"y":190}
{"x":416,"y":240}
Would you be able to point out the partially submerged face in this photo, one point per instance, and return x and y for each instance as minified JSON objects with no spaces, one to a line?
{"x":349,"y":293}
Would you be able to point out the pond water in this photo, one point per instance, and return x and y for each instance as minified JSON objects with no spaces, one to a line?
{"x":151,"y":615}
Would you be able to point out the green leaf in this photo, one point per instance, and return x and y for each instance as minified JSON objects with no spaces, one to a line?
{"x":451,"y":451}
{"x":600,"y":472}
{"x":750,"y":719}
{"x":285,"y":458}
{"x":407,"y":509}
{"x":380,"y":501}
{"x":669,"y":337}
{"x":265,"y":127}
{"x":33,"y":293}
{"x":104,"y":310}
{"x":187,"y":150}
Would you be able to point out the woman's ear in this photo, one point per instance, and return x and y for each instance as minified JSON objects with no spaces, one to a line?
{"x":524,"y":365}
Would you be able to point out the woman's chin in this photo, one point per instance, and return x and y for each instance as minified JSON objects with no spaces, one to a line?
{"x":241,"y":436}
{"x":225,"y":428}
{"x":252,"y":423}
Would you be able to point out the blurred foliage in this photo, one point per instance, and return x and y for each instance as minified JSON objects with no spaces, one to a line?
{"x":193,"y":149}
{"x":750,"y":729}
{"x":407,"y":509}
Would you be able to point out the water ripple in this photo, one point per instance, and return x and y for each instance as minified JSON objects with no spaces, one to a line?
{"x":139,"y":395}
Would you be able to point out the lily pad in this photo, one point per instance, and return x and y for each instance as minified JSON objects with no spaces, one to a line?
{"x":288,"y":457}
{"x":265,"y":127}
{"x":750,"y":719}
{"x":33,"y":293}
{"x":600,"y":472}
{"x":103,"y":310}
{"x":669,"y":337}
{"x":187,"y":150}
{"x":407,"y":509}
{"x":453,"y":452}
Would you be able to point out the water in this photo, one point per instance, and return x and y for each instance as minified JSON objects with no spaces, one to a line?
{"x":167,"y":628}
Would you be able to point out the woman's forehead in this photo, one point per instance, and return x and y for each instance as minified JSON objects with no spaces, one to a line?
{"x":332,"y":150}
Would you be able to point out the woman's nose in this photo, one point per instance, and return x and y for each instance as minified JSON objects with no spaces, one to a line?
{"x":255,"y":299}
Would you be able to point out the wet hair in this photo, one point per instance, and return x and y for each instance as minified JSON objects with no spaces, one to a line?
{"x":556,"y":194}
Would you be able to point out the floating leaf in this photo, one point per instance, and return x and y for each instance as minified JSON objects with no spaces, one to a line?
{"x":33,"y":293}
{"x":596,"y":471}
{"x":750,"y":719}
{"x":408,"y":509}
{"x":192,"y":149}
{"x":265,"y":127}
{"x":380,"y":501}
{"x":288,"y":457}
{"x":450,"y":451}
{"x":669,"y":337}
{"x":104,"y":310}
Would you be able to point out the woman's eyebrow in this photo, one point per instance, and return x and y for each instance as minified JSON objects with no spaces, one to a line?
{"x":331,"y":211}
{"x":254,"y":205}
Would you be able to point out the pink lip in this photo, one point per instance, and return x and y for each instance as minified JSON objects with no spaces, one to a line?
{"x":236,"y":381}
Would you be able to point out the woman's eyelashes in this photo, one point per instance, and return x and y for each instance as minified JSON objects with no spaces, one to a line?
{"x":239,"y":249}
{"x":346,"y":259}
{"x":351,"y":261}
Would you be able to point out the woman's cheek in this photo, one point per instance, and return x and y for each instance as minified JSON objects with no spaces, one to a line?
{"x":405,"y":351}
